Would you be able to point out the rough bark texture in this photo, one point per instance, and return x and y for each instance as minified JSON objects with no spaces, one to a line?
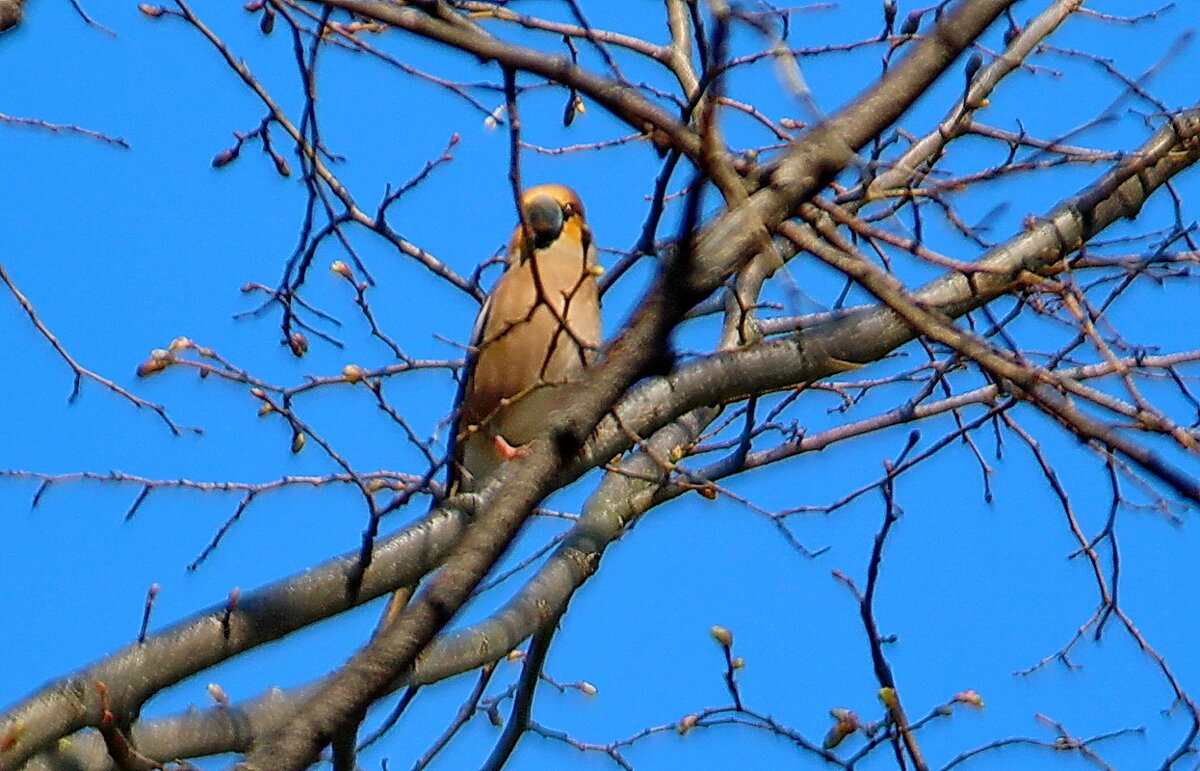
{"x":457,"y":548}
{"x":10,"y":14}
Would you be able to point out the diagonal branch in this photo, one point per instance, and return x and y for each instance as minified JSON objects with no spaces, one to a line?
{"x":860,"y":334}
{"x":623,"y":101}
{"x":719,"y":250}
{"x":80,"y":371}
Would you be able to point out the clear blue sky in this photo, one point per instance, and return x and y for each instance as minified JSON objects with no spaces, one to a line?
{"x":123,"y":250}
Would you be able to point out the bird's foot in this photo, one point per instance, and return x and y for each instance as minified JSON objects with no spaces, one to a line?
{"x":507,"y":451}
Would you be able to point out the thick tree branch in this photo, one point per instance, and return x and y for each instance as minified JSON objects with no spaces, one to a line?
{"x":906,"y":169}
{"x":859,"y":335}
{"x":221,"y":632}
{"x":719,"y":250}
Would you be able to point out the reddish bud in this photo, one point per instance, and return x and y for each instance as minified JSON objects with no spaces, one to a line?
{"x":151,"y":366}
{"x":969,"y":697}
{"x":218,"y":694}
{"x":845,"y":724}
{"x":298,"y":343}
{"x":224,"y":157}
{"x":838,"y":733}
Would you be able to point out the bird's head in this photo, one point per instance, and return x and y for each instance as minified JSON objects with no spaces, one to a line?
{"x":552,"y":214}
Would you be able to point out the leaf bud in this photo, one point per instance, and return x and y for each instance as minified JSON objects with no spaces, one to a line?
{"x":218,"y":694}
{"x":298,"y":342}
{"x":224,"y":157}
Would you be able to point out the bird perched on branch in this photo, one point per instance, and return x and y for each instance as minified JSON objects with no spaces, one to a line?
{"x":535,"y":334}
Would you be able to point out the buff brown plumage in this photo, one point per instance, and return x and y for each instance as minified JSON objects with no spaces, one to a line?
{"x":536,"y":333}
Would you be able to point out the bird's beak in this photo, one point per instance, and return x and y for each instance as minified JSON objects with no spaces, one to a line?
{"x":544,"y":216}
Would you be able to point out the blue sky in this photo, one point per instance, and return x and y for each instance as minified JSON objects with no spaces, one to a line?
{"x":122,"y":250}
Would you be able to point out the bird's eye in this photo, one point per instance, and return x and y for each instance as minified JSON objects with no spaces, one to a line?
{"x":569,"y":210}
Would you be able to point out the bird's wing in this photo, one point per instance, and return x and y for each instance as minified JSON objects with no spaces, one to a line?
{"x":454,"y":446}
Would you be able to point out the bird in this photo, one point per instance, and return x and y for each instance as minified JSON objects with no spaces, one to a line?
{"x":536,"y":334}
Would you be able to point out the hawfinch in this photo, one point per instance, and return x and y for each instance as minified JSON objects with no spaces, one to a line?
{"x":536,"y":332}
